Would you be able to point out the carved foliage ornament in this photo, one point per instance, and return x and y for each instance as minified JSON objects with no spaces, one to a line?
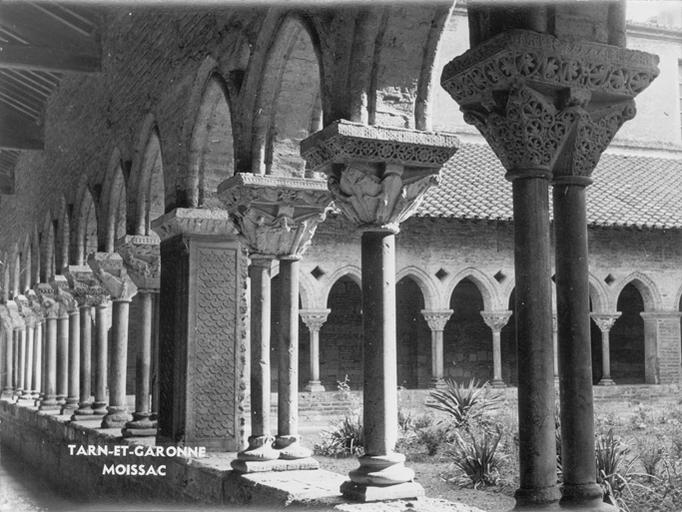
{"x":314,"y":318}
{"x":437,"y":319}
{"x":605,"y":320}
{"x":85,"y":288}
{"x":496,"y":320}
{"x":109,"y":270}
{"x":142,"y":259}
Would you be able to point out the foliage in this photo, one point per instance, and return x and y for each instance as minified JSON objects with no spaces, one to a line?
{"x":344,"y":440}
{"x":464,"y":403}
{"x":478,"y":457}
{"x":650,"y":454}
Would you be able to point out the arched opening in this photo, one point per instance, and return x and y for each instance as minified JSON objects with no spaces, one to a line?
{"x":467,"y":340}
{"x":627,"y":338}
{"x":151,"y":191}
{"x":341,"y":336}
{"x":35,"y":257}
{"x":289,"y":106}
{"x":47,"y":252}
{"x":61,"y":252}
{"x":211,"y":148}
{"x":25,"y":266}
{"x":87,"y":229}
{"x":414,"y":341}
{"x":16,"y":274}
{"x":508,"y":345}
{"x":116,"y":218}
{"x":597,"y":357}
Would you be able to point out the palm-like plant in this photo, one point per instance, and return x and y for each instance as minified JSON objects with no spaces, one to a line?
{"x":479,"y":458}
{"x":463,"y":402}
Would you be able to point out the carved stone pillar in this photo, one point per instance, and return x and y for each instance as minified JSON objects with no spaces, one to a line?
{"x":203,"y":331}
{"x":437,"y":321}
{"x":68,"y":332}
{"x":8,"y":353}
{"x":102,"y":318}
{"x":87,"y":293}
{"x":314,"y":320}
{"x":18,"y":333}
{"x":605,"y":321}
{"x":51,"y":312}
{"x":142,"y":258}
{"x":496,"y":320}
{"x":37,"y":374}
{"x":378,"y":177}
{"x":26,"y":347}
{"x":555,"y":346}
{"x":277,"y":218}
{"x":548,"y":108}
{"x":110,"y":272}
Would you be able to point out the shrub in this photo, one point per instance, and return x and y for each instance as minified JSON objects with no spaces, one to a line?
{"x":478,"y":458}
{"x":463,"y":403}
{"x":650,"y":454}
{"x":345,"y":440}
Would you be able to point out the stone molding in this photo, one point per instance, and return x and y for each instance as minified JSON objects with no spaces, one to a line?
{"x":343,"y":141}
{"x":194,"y":221}
{"x":496,"y":320}
{"x":109,"y":270}
{"x":85,"y":288}
{"x":36,"y":306}
{"x":276,"y":217}
{"x":142,"y":259}
{"x":314,"y":318}
{"x":546,"y":104}
{"x":605,"y":321}
{"x":661,"y":315}
{"x":437,"y":319}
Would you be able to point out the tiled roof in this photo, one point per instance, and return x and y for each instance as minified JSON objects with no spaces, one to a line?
{"x":627,"y":190}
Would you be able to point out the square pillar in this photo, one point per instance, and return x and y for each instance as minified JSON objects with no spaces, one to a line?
{"x":203,"y":334}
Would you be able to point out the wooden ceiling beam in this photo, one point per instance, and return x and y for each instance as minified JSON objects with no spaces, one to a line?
{"x":46,"y":58}
{"x":18,"y":131}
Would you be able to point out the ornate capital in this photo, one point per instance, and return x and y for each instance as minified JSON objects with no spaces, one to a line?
{"x":46,"y":296}
{"x":437,"y":319}
{"x":142,"y":259}
{"x":16,"y":319}
{"x":85,"y":288}
{"x":276,"y":216}
{"x":35,"y":305}
{"x":547,"y":104}
{"x":5,"y":317}
{"x":605,"y":320}
{"x":314,"y":318}
{"x":25,"y":310}
{"x":195,"y":221}
{"x":377,"y":175}
{"x":109,"y":271}
{"x":496,"y":320}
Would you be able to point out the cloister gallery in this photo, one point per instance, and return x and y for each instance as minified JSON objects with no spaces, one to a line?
{"x":204,"y":204}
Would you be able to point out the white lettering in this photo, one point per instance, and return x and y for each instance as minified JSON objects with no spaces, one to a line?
{"x":108,"y":470}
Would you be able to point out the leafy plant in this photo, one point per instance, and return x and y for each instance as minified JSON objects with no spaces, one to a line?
{"x":478,"y":458}
{"x":650,"y":454}
{"x":345,"y":440}
{"x":463,"y":403}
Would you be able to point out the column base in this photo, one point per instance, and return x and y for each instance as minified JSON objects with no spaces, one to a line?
{"x":606,"y":382}
{"x":584,"y":498}
{"x":49,"y":404}
{"x":25,"y":396}
{"x":259,"y":466}
{"x":498,"y":384}
{"x":141,"y":426}
{"x":99,"y":408}
{"x":314,"y":386}
{"x":61,"y":399}
{"x":537,"y":500}
{"x":70,"y":407}
{"x":259,"y":449}
{"x":84,"y":409}
{"x":379,"y":470}
{"x":289,"y":448}
{"x":7,"y":394}
{"x":438,"y":383}
{"x":366,"y":493}
{"x":116,"y":417}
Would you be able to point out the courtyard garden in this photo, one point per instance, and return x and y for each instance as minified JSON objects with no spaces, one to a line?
{"x":463,"y":446}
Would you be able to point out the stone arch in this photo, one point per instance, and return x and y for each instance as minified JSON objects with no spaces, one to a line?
{"x":598,"y":295}
{"x":35,"y":256}
{"x":485,"y":285}
{"x":352,"y":271}
{"x":47,"y":263}
{"x":211,"y":146}
{"x":5,"y":277}
{"x":86,"y":227}
{"x":432,"y":298}
{"x":631,"y":343}
{"x":25,"y":272}
{"x":15,"y":270}
{"x":307,"y":292}
{"x":114,"y":204}
{"x":645,"y":286}
{"x":678,"y":299}
{"x":288,"y":105}
{"x":62,"y":234}
{"x":147,"y":200}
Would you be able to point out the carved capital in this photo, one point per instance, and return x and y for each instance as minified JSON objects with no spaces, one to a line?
{"x":496,"y":320}
{"x":377,"y":175}
{"x":16,"y":319}
{"x":605,"y":320}
{"x":142,"y":259}
{"x":85,"y":287}
{"x":276,"y":216}
{"x":195,"y":221}
{"x":46,"y":296}
{"x":109,"y":271}
{"x":35,"y":305}
{"x":437,"y":319}
{"x":314,"y":318}
{"x":25,"y":310}
{"x":546,"y":104}
{"x":5,"y":317}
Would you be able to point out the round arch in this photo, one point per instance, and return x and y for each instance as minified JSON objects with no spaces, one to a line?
{"x":485,"y":285}
{"x":86,"y":231}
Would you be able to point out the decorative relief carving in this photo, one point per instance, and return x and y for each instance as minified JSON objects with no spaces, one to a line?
{"x":605,"y":320}
{"x":275,"y":216}
{"x":24,"y":309}
{"x":437,"y":319}
{"x":16,"y":319}
{"x":109,"y":270}
{"x":343,"y":141}
{"x":194,"y":220}
{"x":531,"y":96}
{"x":314,"y":318}
{"x":531,"y":57}
{"x":46,"y":295}
{"x":496,"y":320}
{"x":85,"y":287}
{"x":142,"y":259}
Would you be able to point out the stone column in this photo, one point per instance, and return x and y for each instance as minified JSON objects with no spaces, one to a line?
{"x":555,"y":346}
{"x":62,"y":354}
{"x":8,"y":383}
{"x":542,"y":125}
{"x":437,"y":321}
{"x":109,"y":270}
{"x":605,"y":321}
{"x":276,"y":218}
{"x":28,"y":370}
{"x":314,"y":320}
{"x":496,"y":320}
{"x":19,"y":342}
{"x":20,"y":336}
{"x":142,"y":259}
{"x":36,"y":383}
{"x":203,"y":330}
{"x":377,"y":177}
{"x":102,"y":313}
{"x":51,"y":311}
{"x":68,"y":331}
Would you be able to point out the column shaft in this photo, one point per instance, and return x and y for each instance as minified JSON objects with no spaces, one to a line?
{"x":74,"y":361}
{"x":437,"y":371}
{"x":28,"y":367}
{"x":259,"y":271}
{"x":21,"y":359}
{"x":497,"y":358}
{"x":8,"y":385}
{"x":36,"y":385}
{"x":62,"y":359}
{"x":101,"y":359}
{"x":84,"y":405}
{"x":575,"y":357}
{"x":605,"y":356}
{"x":117,"y":412}
{"x":50,"y":399}
{"x":287,"y":393}
{"x":534,"y":332}
{"x":315,"y":354}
